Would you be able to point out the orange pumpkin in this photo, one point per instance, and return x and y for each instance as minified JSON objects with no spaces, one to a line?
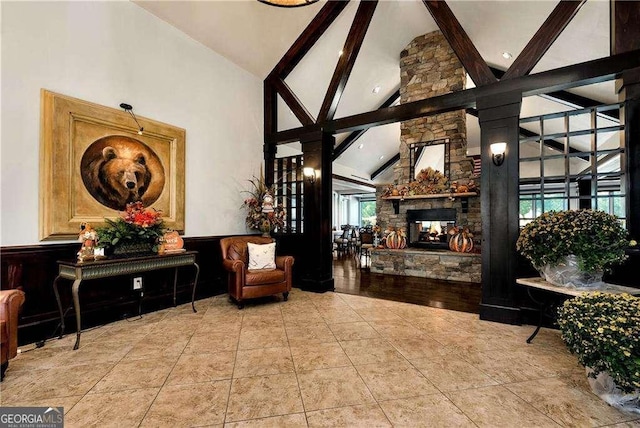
{"x":173,"y":241}
{"x":396,"y":240}
{"x":461,"y":242}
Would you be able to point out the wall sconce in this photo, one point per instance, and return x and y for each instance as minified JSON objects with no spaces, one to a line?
{"x":129,"y":109}
{"x":309,"y":173}
{"x":497,"y":153}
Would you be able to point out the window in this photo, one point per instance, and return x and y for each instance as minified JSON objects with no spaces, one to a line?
{"x":572,"y":160}
{"x":367,"y":212}
{"x":287,"y":176}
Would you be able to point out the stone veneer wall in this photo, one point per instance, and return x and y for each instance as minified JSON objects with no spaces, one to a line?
{"x":428,"y":264}
{"x":429,"y":67}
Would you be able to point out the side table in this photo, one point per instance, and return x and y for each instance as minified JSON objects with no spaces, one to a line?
{"x":78,"y":272}
{"x":544,"y":306}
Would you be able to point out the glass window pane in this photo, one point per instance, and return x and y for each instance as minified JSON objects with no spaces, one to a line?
{"x":580,"y":122}
{"x":530,"y":169}
{"x":554,"y":167}
{"x":608,"y":140}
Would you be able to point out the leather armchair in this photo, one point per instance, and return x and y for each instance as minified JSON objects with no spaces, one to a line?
{"x":245,"y":284}
{"x":10,"y":303}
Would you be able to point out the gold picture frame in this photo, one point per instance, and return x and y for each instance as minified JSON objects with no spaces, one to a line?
{"x":93,"y":161}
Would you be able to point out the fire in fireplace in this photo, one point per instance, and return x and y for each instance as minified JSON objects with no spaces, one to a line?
{"x":428,"y":228}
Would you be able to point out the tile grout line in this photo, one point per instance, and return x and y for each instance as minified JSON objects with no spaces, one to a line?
{"x":295,"y":371}
{"x":168,"y":375}
{"x":233,"y":370}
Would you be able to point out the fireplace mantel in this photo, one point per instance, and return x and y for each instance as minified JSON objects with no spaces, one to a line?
{"x":463,"y":198}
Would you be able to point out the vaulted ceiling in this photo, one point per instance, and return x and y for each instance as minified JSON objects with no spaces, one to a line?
{"x":255,"y":36}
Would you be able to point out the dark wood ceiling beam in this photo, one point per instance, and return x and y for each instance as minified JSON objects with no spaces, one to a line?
{"x":348,"y":58}
{"x":586,"y":73}
{"x":353,"y":181}
{"x":460,"y":42}
{"x":351,"y":138}
{"x":270,"y":108}
{"x":388,"y":164}
{"x":308,"y":38}
{"x":582,"y":102}
{"x":293,"y":102}
{"x":548,"y":32}
{"x":570,"y":98}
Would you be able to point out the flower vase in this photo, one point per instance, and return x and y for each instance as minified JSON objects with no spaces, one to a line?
{"x":568,"y":274}
{"x":266,"y":230}
{"x":605,"y":387}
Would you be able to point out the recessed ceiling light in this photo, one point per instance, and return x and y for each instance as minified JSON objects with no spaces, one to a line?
{"x":361,"y":146}
{"x":376,"y":89}
{"x":380,"y":157}
{"x":507,"y":55}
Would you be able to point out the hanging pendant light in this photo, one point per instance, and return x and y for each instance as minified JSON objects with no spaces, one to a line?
{"x":288,"y":3}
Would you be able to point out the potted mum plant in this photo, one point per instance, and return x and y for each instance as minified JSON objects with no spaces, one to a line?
{"x":603,"y":330}
{"x":573,"y":248}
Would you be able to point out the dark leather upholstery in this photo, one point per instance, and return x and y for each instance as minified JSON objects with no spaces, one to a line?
{"x":10,"y":303}
{"x":245,"y":284}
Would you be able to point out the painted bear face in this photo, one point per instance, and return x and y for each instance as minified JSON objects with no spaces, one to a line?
{"x":126,"y":173}
{"x":117,"y":170}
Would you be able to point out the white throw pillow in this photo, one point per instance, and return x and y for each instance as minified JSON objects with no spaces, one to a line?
{"x":262,"y":256}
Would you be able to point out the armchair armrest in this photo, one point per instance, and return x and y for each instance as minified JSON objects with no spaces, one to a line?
{"x":236,"y":266}
{"x":284,"y":262}
{"x":10,"y":303}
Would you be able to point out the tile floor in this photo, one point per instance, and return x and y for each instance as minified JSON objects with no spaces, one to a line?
{"x":317,"y":360}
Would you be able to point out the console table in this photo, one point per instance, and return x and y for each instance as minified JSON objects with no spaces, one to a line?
{"x":78,"y":272}
{"x":541,"y":284}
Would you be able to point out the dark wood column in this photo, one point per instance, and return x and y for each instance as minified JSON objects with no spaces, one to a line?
{"x":317,"y":273}
{"x":630,"y":116}
{"x":499,"y":205}
{"x":625,"y":37}
{"x":270,"y":126}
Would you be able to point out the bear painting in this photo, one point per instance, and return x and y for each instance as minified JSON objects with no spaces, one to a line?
{"x":117,"y":170}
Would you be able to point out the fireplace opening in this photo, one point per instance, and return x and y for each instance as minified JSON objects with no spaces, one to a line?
{"x":428,"y":228}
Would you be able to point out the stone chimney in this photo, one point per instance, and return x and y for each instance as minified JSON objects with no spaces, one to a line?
{"x":429,"y":67}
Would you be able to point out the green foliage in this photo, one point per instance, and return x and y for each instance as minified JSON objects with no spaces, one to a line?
{"x":136,"y":224}
{"x":603,"y":330}
{"x":119,"y":232}
{"x":368,"y":213}
{"x":595,"y":237}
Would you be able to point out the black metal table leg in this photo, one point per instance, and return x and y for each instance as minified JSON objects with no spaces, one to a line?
{"x":57,"y":293}
{"x":541,"y":309}
{"x":175,"y":286}
{"x":195,"y":284}
{"x":75,"y":290}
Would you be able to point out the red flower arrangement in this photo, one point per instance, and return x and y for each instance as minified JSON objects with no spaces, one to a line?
{"x":136,"y":214}
{"x":136,"y":225}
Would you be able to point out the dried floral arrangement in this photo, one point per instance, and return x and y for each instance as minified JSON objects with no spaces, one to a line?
{"x":428,"y":181}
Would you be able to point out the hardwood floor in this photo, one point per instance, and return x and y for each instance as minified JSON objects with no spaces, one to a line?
{"x":454,"y":295}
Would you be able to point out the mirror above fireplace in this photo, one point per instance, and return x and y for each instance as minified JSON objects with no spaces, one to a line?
{"x":425,"y":154}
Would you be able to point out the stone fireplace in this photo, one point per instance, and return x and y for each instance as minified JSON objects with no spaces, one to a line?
{"x":428,"y":228}
{"x":428,"y":68}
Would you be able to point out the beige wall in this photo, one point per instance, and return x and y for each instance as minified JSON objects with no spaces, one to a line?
{"x":113,"y":52}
